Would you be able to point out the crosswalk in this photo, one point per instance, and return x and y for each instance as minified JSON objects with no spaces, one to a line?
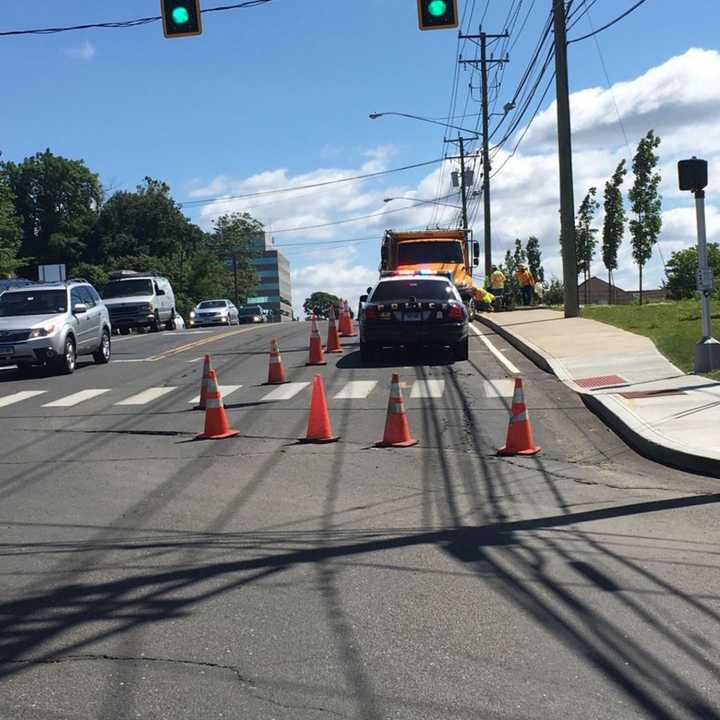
{"x":425,"y":389}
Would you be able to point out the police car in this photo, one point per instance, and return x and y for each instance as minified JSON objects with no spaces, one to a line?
{"x":413,"y":310}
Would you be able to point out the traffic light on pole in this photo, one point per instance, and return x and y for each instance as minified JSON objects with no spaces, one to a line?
{"x":181,"y":18}
{"x":437,"y":14}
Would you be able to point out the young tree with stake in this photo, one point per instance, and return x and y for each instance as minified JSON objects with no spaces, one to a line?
{"x":585,"y":236}
{"x":646,"y":202}
{"x":614,"y":223}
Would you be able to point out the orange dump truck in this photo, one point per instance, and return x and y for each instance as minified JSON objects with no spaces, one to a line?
{"x":432,"y":250}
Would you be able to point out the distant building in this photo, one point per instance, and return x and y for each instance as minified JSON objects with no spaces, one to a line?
{"x":274,"y":290}
{"x":598,"y":293}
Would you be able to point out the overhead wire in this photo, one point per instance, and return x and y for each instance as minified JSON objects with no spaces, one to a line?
{"x":126,"y":23}
{"x":609,"y":24}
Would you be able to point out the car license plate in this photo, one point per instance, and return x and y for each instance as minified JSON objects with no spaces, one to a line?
{"x":6,"y":350}
{"x":410,"y":316}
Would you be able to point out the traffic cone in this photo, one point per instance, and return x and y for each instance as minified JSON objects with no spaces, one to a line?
{"x":397,"y":430}
{"x":519,"y":435}
{"x":207,"y":367}
{"x":318,"y":428}
{"x":276,"y":371}
{"x":333,"y":339}
{"x":317,"y":356}
{"x":346,"y":328}
{"x":216,"y":422}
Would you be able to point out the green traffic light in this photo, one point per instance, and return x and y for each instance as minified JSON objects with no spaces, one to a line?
{"x":180,"y":15}
{"x":437,"y":7}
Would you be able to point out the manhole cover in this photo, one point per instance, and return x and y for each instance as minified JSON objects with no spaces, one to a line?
{"x":601,"y":381}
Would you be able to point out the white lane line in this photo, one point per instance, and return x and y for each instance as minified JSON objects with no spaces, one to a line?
{"x":77,"y":398}
{"x":20,"y":396}
{"x":146,"y":396}
{"x":195,"y":359}
{"x":285,"y":392}
{"x":131,"y":360}
{"x":428,"y":389}
{"x":356,"y":390}
{"x":499,"y":388}
{"x":498,"y":355}
{"x":225,"y":390}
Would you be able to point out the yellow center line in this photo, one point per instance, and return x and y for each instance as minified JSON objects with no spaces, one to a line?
{"x":197,"y":343}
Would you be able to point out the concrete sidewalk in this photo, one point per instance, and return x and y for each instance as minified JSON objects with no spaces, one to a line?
{"x":664,"y":413}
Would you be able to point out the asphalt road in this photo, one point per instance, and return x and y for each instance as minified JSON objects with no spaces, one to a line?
{"x":148,"y":575}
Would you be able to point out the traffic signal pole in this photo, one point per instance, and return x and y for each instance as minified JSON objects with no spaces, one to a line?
{"x":567,"y":201}
{"x":484,"y":62}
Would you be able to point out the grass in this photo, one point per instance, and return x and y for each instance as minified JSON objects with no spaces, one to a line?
{"x":674,"y":326}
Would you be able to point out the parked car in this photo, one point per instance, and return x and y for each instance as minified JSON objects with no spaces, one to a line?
{"x":251,"y":314}
{"x":140,"y":300}
{"x":413,"y":311}
{"x":52,"y":324}
{"x":11,"y":283}
{"x":214,"y":312}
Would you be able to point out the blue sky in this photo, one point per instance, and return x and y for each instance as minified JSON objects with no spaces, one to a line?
{"x":270,"y":95}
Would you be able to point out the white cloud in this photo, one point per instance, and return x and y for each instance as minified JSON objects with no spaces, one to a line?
{"x":85,"y":51}
{"x":680,"y":99}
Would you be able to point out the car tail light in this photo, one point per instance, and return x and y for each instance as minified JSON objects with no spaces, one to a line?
{"x":371,"y":313}
{"x":456,"y":312}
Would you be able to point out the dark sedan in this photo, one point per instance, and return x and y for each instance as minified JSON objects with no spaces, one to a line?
{"x":414,"y":311}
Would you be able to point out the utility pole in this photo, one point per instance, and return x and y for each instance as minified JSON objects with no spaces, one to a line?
{"x":567,"y":201}
{"x":484,"y":62}
{"x":463,"y":187}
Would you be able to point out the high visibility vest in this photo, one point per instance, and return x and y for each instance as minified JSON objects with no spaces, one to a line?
{"x":524,"y":278}
{"x":497,"y":280}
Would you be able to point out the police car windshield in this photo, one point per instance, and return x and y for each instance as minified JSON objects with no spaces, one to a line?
{"x":398,"y":290}
{"x":33,"y":302}
{"x":415,"y":253}
{"x":127,"y":288}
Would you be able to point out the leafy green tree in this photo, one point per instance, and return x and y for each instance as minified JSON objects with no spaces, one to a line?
{"x":682,"y":267}
{"x":554,"y":292}
{"x":614,"y":222}
{"x":646,"y":202}
{"x":10,"y":234}
{"x":512,"y":287}
{"x":519,"y":254}
{"x":57,"y":201}
{"x":534,"y":258}
{"x":585,"y":236}
{"x":319,"y":303}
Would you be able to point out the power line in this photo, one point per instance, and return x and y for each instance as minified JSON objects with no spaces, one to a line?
{"x":126,"y":23}
{"x":325,"y":183}
{"x":608,"y":25}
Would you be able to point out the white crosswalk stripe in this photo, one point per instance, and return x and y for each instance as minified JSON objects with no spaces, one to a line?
{"x":225,"y":390}
{"x":146,"y":396}
{"x":356,"y":390}
{"x":77,"y":398}
{"x":499,"y":388}
{"x":428,"y":389}
{"x":20,"y":396}
{"x":285,"y":392}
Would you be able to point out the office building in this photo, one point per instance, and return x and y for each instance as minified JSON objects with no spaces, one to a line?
{"x":274,"y":290}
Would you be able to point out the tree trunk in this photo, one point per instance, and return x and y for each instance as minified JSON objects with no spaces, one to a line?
{"x":609,"y":287}
{"x":640,"y":296}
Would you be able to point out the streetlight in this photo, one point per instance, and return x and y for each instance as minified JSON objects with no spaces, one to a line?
{"x":376,"y":115}
{"x":421,"y":201}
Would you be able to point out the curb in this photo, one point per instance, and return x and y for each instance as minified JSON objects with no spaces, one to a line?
{"x":666,"y":453}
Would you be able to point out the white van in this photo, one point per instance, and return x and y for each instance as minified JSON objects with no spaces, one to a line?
{"x":139,"y":300}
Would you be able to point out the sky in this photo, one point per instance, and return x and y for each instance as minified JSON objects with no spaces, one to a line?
{"x":278,"y":96}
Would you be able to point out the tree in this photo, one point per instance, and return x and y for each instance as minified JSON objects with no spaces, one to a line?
{"x":57,"y":201}
{"x":614,"y":222}
{"x":585,"y":236}
{"x":554,"y":292}
{"x":519,"y":254}
{"x":10,"y":233}
{"x":319,"y":303}
{"x":646,"y":202}
{"x":534,"y":258}
{"x":682,"y":267}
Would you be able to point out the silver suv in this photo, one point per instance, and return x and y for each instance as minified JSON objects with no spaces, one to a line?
{"x":51,"y":324}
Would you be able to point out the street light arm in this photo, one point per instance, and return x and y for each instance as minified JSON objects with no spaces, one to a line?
{"x":376,"y":115}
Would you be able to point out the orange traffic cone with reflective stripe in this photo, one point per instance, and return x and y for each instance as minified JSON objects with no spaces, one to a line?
{"x":276,"y":371}
{"x":318,"y":428}
{"x":207,"y":367}
{"x":346,"y":328}
{"x":333,"y":339}
{"x":216,"y":422}
{"x":519,"y":435}
{"x":397,"y":430}
{"x":317,"y":356}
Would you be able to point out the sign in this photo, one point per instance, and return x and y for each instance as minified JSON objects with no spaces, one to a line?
{"x":257,"y":300}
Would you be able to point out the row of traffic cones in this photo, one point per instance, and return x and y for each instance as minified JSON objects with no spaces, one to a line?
{"x":519,"y":439}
